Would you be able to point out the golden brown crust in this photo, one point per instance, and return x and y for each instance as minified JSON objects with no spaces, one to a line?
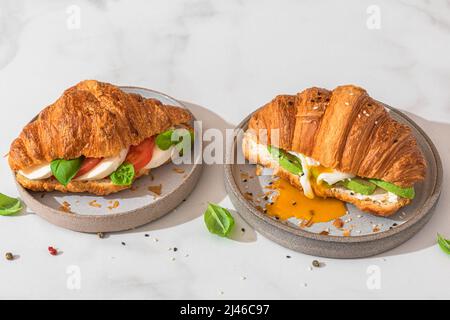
{"x":344,"y":129}
{"x":98,"y":187}
{"x":91,"y":119}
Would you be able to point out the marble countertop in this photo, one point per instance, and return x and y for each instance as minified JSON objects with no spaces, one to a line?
{"x":225,"y":58}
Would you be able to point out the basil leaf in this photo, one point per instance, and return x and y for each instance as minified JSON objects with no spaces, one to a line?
{"x":444,"y":244}
{"x":124,"y":175}
{"x":9,"y":206}
{"x":218,"y":220}
{"x":173,"y":137}
{"x":164,"y":140}
{"x":65,"y":170}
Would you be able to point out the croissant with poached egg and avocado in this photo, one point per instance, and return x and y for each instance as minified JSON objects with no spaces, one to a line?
{"x":98,"y":139}
{"x":341,"y":144}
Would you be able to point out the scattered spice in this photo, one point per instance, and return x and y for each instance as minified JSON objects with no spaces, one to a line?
{"x":324,"y":233}
{"x":146,"y":235}
{"x":375,"y":228}
{"x":248,"y":196}
{"x":338,"y":223}
{"x":346,"y":233}
{"x":316,"y":264}
{"x":307,"y":223}
{"x":65,"y":207}
{"x":244,"y":175}
{"x":123,"y":243}
{"x":155,"y":189}
{"x":288,"y":257}
{"x":101,"y":235}
{"x":178,"y":170}
{"x":53,"y":251}
{"x":115,"y":204}
{"x":243,"y":229}
{"x":175,"y":249}
{"x":95,"y":204}
{"x":9,"y":256}
{"x":259,"y":170}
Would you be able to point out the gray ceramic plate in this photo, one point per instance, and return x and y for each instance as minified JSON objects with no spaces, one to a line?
{"x":370,"y":235}
{"x":136,"y":207}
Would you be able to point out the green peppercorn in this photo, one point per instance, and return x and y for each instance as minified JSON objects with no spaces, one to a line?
{"x":316,"y":264}
{"x":9,"y":256}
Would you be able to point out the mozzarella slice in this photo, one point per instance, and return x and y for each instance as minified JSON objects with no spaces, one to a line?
{"x":333,"y":177}
{"x":105,"y":167}
{"x":38,"y":172}
{"x":159,"y":157}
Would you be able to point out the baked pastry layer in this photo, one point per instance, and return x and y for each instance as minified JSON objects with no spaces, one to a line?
{"x":343,"y":129}
{"x":92,"y":119}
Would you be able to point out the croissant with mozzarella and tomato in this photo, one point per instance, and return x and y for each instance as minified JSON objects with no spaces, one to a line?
{"x":95,"y":138}
{"x":340,"y":144}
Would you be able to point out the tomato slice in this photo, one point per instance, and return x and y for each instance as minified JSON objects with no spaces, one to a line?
{"x":87,"y":165}
{"x":139,"y":156}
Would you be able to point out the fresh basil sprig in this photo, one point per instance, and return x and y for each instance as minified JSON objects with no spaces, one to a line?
{"x":218,"y":220}
{"x":124,"y":175}
{"x":65,"y":170}
{"x":9,"y":206}
{"x":443,"y":243}
{"x":172,"y":137}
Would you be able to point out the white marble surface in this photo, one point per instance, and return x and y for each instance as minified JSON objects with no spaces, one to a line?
{"x":228,"y":57}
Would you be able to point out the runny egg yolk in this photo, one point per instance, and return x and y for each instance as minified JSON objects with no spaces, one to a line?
{"x":290,"y":202}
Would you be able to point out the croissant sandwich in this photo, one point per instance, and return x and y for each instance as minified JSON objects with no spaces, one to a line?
{"x":96,"y":138}
{"x":341,"y":144}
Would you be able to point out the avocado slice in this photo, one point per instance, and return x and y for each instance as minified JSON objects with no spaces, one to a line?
{"x":360,"y":186}
{"x":286,"y":160}
{"x":408,"y":193}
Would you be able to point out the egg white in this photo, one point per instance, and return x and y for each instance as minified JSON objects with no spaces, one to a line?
{"x":305,"y":177}
{"x":333,"y":177}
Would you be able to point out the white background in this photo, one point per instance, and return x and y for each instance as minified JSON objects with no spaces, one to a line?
{"x":226,"y":58}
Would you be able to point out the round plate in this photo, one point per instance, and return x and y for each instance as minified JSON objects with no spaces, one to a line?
{"x":124,"y":210}
{"x":370,"y":235}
